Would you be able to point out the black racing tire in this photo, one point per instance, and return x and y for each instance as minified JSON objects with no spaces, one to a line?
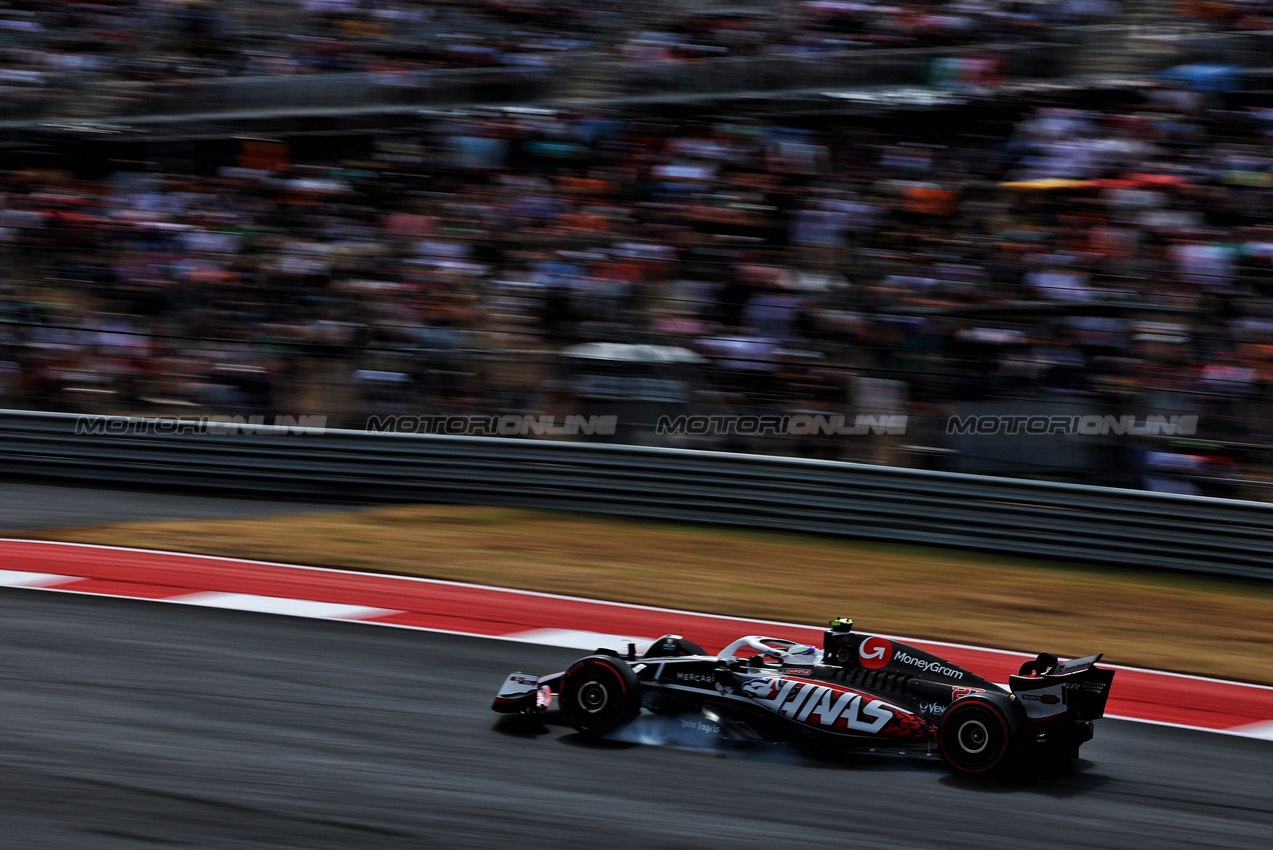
{"x":1038,"y":666}
{"x":599,"y":694}
{"x":977,"y":736}
{"x":672,"y":646}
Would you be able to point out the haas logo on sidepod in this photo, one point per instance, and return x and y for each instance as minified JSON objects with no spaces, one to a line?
{"x":875,"y":652}
{"x":821,"y":706}
{"x":762,"y":687}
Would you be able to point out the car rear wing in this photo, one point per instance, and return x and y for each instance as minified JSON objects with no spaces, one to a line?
{"x":1077,"y":687}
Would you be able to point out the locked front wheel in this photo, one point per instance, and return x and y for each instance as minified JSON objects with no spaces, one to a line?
{"x":599,"y":694}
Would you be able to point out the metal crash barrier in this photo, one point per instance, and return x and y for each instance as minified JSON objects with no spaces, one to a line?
{"x":1110,"y":526}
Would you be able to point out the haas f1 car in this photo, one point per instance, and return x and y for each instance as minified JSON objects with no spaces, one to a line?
{"x":857,"y":692}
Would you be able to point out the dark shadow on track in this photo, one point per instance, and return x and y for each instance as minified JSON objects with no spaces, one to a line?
{"x":521,"y":726}
{"x":588,"y":742}
{"x":132,"y":725}
{"x":1065,"y":782}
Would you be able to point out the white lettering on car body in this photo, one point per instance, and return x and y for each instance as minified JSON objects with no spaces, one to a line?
{"x":928,"y":666}
{"x":820,"y":705}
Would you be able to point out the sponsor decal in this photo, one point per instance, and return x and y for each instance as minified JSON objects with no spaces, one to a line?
{"x":701,"y":726}
{"x":1075,"y":665}
{"x":517,"y":687}
{"x":875,"y":652}
{"x":544,"y":697}
{"x":936,"y":667}
{"x":705,"y":678}
{"x":1090,"y":425}
{"x":480,"y":425}
{"x":669,"y":646}
{"x":1043,"y":703}
{"x":799,"y":671}
{"x":762,"y":687}
{"x":817,"y":705}
{"x":932,"y":708}
{"x":780,"y":425}
{"x":219,"y":425}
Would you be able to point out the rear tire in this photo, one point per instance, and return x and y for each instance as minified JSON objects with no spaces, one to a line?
{"x":977,"y":737}
{"x":599,"y":694}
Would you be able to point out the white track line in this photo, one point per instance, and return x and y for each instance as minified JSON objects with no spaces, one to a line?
{"x":587,"y":641}
{"x":549,"y":637}
{"x":281,"y":605}
{"x":1236,"y":732}
{"x":631,"y":605}
{"x":18,"y":578}
{"x":1263,"y":729}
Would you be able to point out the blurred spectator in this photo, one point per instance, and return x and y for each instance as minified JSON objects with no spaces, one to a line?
{"x":56,"y":50}
{"x":1126,"y":262}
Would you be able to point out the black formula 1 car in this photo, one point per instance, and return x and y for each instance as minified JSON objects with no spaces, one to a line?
{"x":857,"y":692}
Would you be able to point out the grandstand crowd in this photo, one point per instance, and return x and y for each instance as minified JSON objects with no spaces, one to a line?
{"x":72,"y":45}
{"x":1117,"y":255}
{"x":794,"y":259}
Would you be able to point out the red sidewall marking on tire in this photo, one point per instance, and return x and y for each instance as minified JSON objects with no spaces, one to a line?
{"x":1005,"y":729}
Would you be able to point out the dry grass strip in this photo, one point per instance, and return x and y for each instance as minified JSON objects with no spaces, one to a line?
{"x":1183,"y":623}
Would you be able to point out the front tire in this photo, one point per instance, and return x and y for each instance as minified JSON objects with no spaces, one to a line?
{"x":599,"y":694}
{"x":978,"y":737}
{"x":673,"y":646}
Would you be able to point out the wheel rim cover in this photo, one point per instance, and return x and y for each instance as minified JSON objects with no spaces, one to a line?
{"x":593,"y":696}
{"x":973,"y":737}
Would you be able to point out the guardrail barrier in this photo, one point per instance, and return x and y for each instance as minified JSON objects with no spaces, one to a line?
{"x":1110,"y":526}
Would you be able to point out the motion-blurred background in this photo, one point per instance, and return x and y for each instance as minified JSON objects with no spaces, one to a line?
{"x":919,"y":208}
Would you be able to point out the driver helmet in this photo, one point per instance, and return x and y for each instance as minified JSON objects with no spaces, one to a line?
{"x":802,"y":654}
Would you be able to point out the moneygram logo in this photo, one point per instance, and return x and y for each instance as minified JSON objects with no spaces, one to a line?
{"x":875,"y":652}
{"x":928,"y":666}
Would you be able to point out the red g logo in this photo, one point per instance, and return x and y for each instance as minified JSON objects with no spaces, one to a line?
{"x":875,"y":652}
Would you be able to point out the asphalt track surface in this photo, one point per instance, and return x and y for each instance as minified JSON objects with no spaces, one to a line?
{"x":135,"y":725}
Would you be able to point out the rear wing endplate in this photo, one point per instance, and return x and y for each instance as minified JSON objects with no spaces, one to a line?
{"x":1082,"y":687}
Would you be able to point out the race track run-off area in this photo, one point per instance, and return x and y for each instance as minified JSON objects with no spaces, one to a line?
{"x":582,"y":624}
